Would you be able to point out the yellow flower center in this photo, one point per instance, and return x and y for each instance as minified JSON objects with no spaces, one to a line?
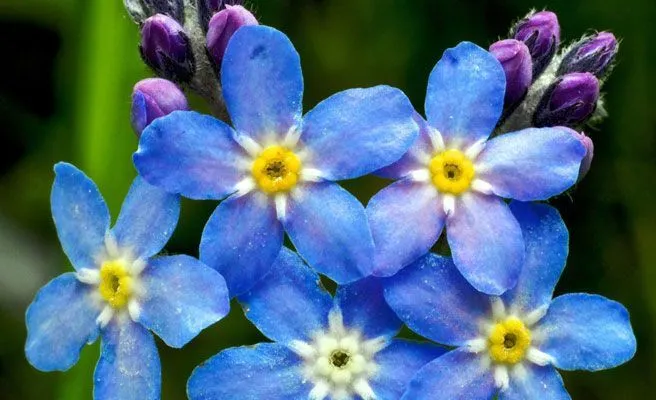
{"x":116,"y":284}
{"x":276,"y":169}
{"x":509,"y":341}
{"x":451,"y":171}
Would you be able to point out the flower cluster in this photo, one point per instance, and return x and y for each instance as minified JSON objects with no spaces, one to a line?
{"x":486,"y":309}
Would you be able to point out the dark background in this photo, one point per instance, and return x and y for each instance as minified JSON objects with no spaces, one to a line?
{"x":66,"y":72}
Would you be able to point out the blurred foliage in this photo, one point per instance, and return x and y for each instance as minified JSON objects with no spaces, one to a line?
{"x":66,"y":75}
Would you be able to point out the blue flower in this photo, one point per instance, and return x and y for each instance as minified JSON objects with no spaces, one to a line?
{"x":454,"y":176}
{"x":510,"y":345}
{"x":323,"y":348}
{"x":278,"y":166}
{"x":119,"y":291}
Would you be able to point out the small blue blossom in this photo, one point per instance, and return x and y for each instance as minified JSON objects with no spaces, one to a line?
{"x":454,"y":176}
{"x":277,"y":167}
{"x":323,"y":348}
{"x":509,"y":345}
{"x":119,"y":290}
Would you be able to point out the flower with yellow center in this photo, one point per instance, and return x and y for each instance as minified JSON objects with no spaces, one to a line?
{"x":451,"y":171}
{"x":509,"y":341}
{"x":276,"y":169}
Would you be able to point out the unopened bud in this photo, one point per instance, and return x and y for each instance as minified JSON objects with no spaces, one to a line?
{"x":207,"y":8}
{"x":593,"y":54}
{"x":589,"y":153}
{"x":166,"y":49}
{"x":541,"y":33}
{"x":569,"y":101}
{"x":516,"y":62}
{"x":153,"y":98}
{"x":222,"y":26}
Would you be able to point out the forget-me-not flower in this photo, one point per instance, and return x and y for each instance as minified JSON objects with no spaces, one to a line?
{"x":454,"y":176}
{"x":278,"y":166}
{"x":510,"y":345}
{"x":323,"y":348}
{"x":119,"y":290}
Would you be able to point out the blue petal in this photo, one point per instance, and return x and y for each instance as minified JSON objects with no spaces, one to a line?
{"x":241,"y":240}
{"x":397,"y":364}
{"x":147,"y":220}
{"x":434,"y":300}
{"x":542,"y":383}
{"x":262,"y":82}
{"x":406,"y":219}
{"x":465,"y":93}
{"x":546,"y":240}
{"x":329,"y":229}
{"x":415,"y":158}
{"x":264,"y":371}
{"x":486,"y":242}
{"x":60,"y":321}
{"x":358,"y":131}
{"x":363,"y":307}
{"x":456,"y":375}
{"x":129,"y":367}
{"x":532,"y":164}
{"x":182,"y":297}
{"x":289,"y":304}
{"x":80,"y":214}
{"x":589,"y":332}
{"x":191,"y":154}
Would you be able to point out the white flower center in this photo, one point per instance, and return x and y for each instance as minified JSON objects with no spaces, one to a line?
{"x":339,"y":361}
{"x":117,"y":280}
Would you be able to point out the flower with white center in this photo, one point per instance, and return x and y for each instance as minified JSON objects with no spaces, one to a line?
{"x":276,"y":169}
{"x":324,"y":348}
{"x":120,"y":291}
{"x":509,"y":346}
{"x":455,"y":177}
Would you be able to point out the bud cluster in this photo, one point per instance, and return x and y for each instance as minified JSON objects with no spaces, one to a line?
{"x":547,"y":85}
{"x":183,"y":41}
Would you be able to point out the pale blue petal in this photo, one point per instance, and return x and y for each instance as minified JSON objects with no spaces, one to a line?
{"x":262,"y":82}
{"x":191,"y":154}
{"x":416,"y":157}
{"x":434,"y":300}
{"x":397,"y":364}
{"x":329,"y":229}
{"x":264,"y":371}
{"x":546,"y":240}
{"x":364,"y":308}
{"x":357,"y":131}
{"x":241,"y":240}
{"x":147,"y":220}
{"x":542,"y":383}
{"x":406,"y":219}
{"x":129,"y":366}
{"x":585,"y":331}
{"x":80,"y":214}
{"x":60,"y":321}
{"x":289,"y":304}
{"x":465,"y":93}
{"x":532,"y":164}
{"x":486,"y":242}
{"x":455,"y":375}
{"x":182,"y":297}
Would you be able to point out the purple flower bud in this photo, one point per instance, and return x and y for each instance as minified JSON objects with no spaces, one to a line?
{"x":589,"y":154}
{"x":541,"y":33}
{"x":153,"y":98}
{"x":222,"y":26}
{"x":516,"y":62}
{"x":140,"y":10}
{"x":593,"y":54}
{"x":207,"y":8}
{"x":166,"y":49}
{"x":569,"y":101}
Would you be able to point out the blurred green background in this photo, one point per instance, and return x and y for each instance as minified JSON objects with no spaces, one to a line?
{"x":66,"y":72}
